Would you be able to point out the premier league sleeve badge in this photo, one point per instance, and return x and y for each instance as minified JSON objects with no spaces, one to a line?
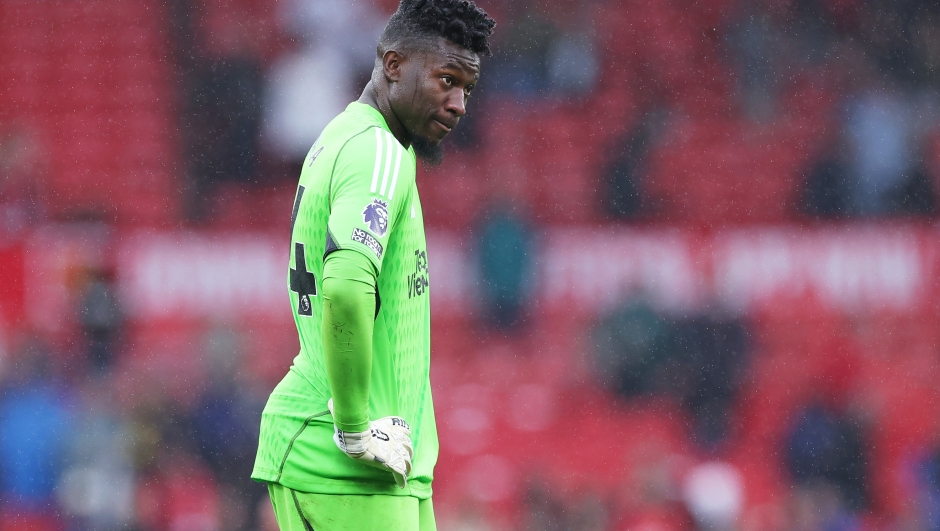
{"x":375,"y":216}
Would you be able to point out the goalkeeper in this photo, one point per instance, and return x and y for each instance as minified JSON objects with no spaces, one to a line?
{"x":348,"y":439}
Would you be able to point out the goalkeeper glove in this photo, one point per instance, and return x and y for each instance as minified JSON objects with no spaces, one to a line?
{"x":385,"y":445}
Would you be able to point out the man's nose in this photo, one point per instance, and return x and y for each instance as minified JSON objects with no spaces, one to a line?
{"x":456,"y":103}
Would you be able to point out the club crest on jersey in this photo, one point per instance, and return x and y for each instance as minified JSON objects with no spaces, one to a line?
{"x":376,"y":215}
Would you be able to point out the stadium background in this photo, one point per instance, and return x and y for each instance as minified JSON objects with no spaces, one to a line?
{"x":683,"y":257}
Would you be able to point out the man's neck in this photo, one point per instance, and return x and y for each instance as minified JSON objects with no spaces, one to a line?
{"x":371,"y":96}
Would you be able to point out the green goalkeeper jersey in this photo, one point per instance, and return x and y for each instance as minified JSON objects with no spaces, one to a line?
{"x":357,"y":191}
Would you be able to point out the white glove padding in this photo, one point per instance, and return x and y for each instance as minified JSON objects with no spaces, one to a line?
{"x":385,"y":445}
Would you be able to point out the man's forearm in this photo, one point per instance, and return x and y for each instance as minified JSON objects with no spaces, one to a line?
{"x":348,"y":316}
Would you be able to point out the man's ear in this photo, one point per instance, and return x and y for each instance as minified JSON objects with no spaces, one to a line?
{"x":391,"y":65}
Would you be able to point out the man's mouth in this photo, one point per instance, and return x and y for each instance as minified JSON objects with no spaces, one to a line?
{"x":446,"y":127}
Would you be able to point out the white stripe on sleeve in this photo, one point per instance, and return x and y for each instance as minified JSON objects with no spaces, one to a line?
{"x":391,"y":191}
{"x":393,"y":144}
{"x":378,"y":159}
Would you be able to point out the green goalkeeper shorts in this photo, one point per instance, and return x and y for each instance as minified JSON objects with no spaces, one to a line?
{"x":303,"y":511}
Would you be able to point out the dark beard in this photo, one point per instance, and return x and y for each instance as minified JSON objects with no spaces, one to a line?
{"x":432,"y":154}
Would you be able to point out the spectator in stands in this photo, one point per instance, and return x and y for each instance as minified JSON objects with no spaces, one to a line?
{"x":626,"y":171}
{"x":222,"y":113}
{"x":827,"y":183}
{"x":97,"y":488}
{"x":699,"y":361}
{"x":707,"y":358}
{"x":571,"y":63}
{"x":224,"y":421}
{"x":101,"y":317}
{"x":520,"y":63}
{"x":347,"y":27}
{"x":826,"y":449}
{"x":35,"y":426}
{"x":174,"y":487}
{"x":505,"y":251}
{"x":305,"y":90}
{"x":629,"y":345}
{"x":879,"y":132}
{"x":830,"y":184}
{"x":767,"y":45}
{"x":157,"y":423}
{"x":755,"y":43}
{"x":308,"y":86}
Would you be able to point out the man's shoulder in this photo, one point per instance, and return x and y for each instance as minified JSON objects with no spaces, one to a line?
{"x":357,"y":119}
{"x":350,"y":136}
{"x":362,"y":145}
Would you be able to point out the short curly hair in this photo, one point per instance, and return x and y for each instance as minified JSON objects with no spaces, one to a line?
{"x":459,"y":21}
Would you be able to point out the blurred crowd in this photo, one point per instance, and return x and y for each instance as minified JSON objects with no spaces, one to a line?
{"x":692,"y":113}
{"x":829,"y":106}
{"x":87,"y":442}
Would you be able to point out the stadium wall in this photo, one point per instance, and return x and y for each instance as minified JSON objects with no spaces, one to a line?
{"x":201,"y":274}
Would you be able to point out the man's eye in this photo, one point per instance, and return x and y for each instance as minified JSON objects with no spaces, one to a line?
{"x":448,"y":80}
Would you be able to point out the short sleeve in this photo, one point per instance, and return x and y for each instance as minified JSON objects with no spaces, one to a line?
{"x":367,"y":191}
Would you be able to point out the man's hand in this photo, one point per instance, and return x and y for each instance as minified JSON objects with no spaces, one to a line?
{"x":386,"y":445}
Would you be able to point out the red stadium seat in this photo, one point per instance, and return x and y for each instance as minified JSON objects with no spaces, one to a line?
{"x":73,"y":89}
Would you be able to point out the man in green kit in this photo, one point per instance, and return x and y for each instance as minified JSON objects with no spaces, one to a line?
{"x":348,"y":438}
